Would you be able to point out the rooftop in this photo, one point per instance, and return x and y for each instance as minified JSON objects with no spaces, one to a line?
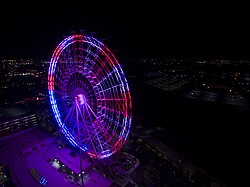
{"x":72,"y":161}
{"x":10,"y":113}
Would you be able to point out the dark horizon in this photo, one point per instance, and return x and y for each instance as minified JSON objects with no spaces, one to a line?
{"x":149,"y":31}
{"x":204,"y":32}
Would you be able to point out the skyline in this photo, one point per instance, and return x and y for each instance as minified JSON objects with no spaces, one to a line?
{"x":213,"y":114}
{"x":196,"y":103}
{"x":130,"y":31}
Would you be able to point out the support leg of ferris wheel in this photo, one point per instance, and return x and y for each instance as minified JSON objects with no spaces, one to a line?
{"x":85,"y":124}
{"x":80,"y":151}
{"x":88,"y":123}
{"x":79,"y":103}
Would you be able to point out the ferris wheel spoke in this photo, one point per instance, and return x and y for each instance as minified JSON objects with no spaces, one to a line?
{"x":112,"y":99}
{"x":115,"y":125}
{"x":100,"y":130}
{"x":87,"y":56}
{"x":88,"y":119}
{"x":70,"y":111}
{"x":104,"y":135}
{"x":101,"y":67}
{"x":97,"y":138}
{"x":94,"y":127}
{"x":81,"y":65}
{"x":86,"y":140}
{"x":87,"y":122}
{"x":88,"y":132}
{"x":104,"y":132}
{"x":63,"y":108}
{"x":106,"y":77}
{"x":113,"y":137}
{"x":111,"y":89}
{"x":70,"y":55}
{"x":90,"y":96}
{"x":90,"y":109}
{"x":117,"y":107}
{"x":59,"y":92}
{"x":61,"y":67}
{"x":64,"y":112}
{"x":108,"y":108}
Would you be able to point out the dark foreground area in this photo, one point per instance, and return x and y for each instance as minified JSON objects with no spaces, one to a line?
{"x":210,"y":135}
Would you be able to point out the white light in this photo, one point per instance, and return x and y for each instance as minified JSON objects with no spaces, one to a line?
{"x":80,"y":99}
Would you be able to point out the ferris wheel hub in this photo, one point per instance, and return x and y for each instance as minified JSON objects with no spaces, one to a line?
{"x":80,"y":99}
{"x":87,"y":87}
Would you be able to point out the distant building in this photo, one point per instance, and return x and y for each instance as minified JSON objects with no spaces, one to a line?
{"x":16,"y":119}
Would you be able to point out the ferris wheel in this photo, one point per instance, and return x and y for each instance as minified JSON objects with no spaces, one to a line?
{"x":89,"y":96}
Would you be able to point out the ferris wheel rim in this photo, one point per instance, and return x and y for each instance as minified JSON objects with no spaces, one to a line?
{"x":118,"y":75}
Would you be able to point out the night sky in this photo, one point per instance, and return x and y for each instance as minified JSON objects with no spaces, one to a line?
{"x":141,"y":30}
{"x":133,"y":30}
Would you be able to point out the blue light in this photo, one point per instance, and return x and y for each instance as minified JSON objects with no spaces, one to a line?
{"x":43,"y":181}
{"x":111,"y":92}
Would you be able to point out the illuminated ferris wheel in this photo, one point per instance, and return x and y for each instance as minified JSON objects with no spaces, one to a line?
{"x":89,"y":95}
